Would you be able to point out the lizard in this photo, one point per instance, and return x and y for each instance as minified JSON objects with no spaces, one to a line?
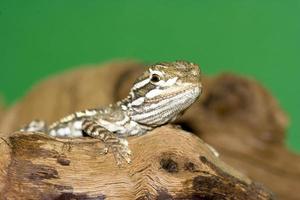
{"x":159,"y":96}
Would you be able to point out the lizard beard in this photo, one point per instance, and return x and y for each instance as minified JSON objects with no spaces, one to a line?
{"x":158,"y":111}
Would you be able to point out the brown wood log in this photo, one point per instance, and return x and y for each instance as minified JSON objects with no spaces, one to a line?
{"x":168,"y":163}
{"x":235,"y":115}
{"x":246,"y":125}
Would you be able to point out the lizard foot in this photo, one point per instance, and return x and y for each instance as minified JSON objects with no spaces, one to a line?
{"x":120,"y":151}
{"x":118,"y":146}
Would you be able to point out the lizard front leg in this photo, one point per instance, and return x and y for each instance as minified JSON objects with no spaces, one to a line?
{"x":118,"y":146}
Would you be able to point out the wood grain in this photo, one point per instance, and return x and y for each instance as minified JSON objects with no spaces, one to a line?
{"x":168,"y":163}
{"x":236,"y":115}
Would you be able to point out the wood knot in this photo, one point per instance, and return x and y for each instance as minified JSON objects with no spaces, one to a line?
{"x":169,"y":165}
{"x":190,"y":166}
{"x":63,"y":161}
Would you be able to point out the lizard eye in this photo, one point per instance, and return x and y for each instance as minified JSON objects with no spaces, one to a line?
{"x":155,"y":78}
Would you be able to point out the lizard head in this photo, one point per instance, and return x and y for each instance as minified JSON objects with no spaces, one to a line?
{"x":164,"y":91}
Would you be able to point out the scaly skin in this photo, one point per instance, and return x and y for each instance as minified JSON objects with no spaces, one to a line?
{"x":158,"y":97}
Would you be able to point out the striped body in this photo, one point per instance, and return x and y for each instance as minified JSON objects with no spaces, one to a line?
{"x":158,"y":97}
{"x":113,"y":119}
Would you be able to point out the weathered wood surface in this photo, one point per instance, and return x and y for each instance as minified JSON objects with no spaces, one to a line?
{"x":245,"y":124}
{"x":241,"y":119}
{"x":167,"y":163}
{"x":235,"y":115}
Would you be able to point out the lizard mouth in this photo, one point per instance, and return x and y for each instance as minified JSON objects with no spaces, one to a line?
{"x":192,"y":91}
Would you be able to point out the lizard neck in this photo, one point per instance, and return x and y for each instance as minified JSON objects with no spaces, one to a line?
{"x":143,"y":114}
{"x":133,"y":127}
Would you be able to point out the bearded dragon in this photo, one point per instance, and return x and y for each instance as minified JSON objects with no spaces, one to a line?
{"x":159,"y":96}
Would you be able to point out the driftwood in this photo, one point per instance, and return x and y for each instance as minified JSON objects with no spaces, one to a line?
{"x":235,"y":115}
{"x":241,"y":120}
{"x":167,"y":163}
{"x":245,"y":124}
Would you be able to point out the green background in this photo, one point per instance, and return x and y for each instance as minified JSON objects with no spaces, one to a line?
{"x":250,"y":37}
